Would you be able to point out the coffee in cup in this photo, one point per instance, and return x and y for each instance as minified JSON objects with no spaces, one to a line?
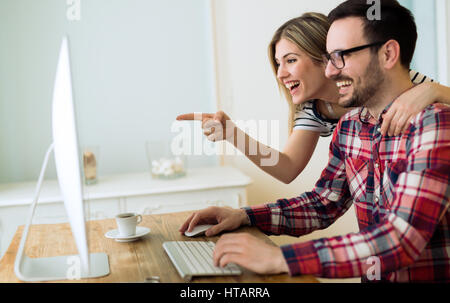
{"x":126,"y":223}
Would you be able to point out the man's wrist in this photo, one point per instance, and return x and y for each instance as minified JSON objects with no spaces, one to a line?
{"x":282,"y":263}
{"x":245,"y":220}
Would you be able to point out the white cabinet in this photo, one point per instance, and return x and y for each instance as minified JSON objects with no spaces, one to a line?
{"x":138,"y":192}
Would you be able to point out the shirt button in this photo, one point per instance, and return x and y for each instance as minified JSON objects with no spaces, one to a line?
{"x":376,"y":165}
{"x":376,"y":199}
{"x":378,"y":129}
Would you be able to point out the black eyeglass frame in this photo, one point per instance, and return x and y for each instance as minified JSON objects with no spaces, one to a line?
{"x":327,"y":57}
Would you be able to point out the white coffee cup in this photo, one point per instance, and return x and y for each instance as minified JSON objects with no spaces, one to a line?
{"x":126,"y":223}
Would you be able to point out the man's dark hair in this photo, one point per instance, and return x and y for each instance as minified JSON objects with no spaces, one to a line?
{"x":396,"y":23}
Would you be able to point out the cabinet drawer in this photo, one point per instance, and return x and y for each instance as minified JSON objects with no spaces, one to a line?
{"x":10,"y":218}
{"x":49,"y":213}
{"x":101,"y":209}
{"x":183,"y":201}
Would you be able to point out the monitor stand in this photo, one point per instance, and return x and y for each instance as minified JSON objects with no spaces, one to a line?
{"x":59,"y":267}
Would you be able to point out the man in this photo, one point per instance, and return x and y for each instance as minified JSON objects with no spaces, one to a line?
{"x":399,"y":184}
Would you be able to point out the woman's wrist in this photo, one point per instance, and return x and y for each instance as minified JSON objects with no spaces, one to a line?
{"x":434,"y":90}
{"x":234,"y":133}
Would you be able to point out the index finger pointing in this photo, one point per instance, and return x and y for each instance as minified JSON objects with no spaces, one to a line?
{"x":194,"y":116}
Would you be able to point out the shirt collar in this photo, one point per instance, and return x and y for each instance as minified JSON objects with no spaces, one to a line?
{"x":366,"y":118}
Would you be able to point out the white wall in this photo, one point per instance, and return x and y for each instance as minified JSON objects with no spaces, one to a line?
{"x":443,"y":40}
{"x":248,"y":90}
{"x":136,"y":65}
{"x":442,"y":30}
{"x":425,"y":58}
{"x":448,"y":44}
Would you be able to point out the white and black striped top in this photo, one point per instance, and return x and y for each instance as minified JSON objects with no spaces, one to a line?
{"x":309,"y":118}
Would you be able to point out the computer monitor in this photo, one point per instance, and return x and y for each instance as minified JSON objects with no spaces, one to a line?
{"x":67,"y":160}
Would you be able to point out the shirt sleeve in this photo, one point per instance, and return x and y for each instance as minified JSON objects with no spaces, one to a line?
{"x":312,"y":210}
{"x":308,"y":119}
{"x":418,"y":78}
{"x":420,"y":201}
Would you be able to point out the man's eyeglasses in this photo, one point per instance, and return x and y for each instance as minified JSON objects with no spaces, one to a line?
{"x":337,"y":57}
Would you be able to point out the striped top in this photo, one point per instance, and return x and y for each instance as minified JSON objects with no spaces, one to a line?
{"x":400,"y":188}
{"x":309,"y":118}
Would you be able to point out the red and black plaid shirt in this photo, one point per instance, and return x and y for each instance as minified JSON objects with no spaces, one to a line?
{"x":400,"y":188}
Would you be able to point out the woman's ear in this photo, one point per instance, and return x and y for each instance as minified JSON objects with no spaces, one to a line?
{"x":390,"y":54}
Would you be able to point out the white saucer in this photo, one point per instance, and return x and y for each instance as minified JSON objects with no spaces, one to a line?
{"x":140,"y":231}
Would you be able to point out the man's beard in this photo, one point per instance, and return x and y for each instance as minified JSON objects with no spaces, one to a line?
{"x":363,"y":94}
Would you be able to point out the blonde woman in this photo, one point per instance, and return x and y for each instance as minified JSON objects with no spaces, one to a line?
{"x":295,"y":54}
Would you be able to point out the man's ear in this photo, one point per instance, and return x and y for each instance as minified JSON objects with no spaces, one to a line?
{"x":390,"y":54}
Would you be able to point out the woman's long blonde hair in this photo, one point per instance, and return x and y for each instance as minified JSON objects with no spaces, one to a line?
{"x":309,"y":33}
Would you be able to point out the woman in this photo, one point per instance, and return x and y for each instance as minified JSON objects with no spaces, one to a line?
{"x":295,"y":54}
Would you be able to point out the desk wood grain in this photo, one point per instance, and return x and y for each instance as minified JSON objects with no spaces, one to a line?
{"x":132,"y":261}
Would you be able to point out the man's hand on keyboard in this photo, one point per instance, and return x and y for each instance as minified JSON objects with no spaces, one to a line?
{"x":223,"y":218}
{"x":249,"y":252}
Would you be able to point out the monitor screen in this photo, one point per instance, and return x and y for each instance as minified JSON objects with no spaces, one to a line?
{"x":67,"y":153}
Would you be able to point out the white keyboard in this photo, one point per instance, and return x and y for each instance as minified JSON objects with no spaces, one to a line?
{"x":195,"y":258}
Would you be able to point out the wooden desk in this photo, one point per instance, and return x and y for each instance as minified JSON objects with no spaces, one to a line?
{"x":132,"y":261}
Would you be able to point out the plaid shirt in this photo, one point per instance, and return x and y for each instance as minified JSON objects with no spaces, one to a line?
{"x":400,"y":188}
